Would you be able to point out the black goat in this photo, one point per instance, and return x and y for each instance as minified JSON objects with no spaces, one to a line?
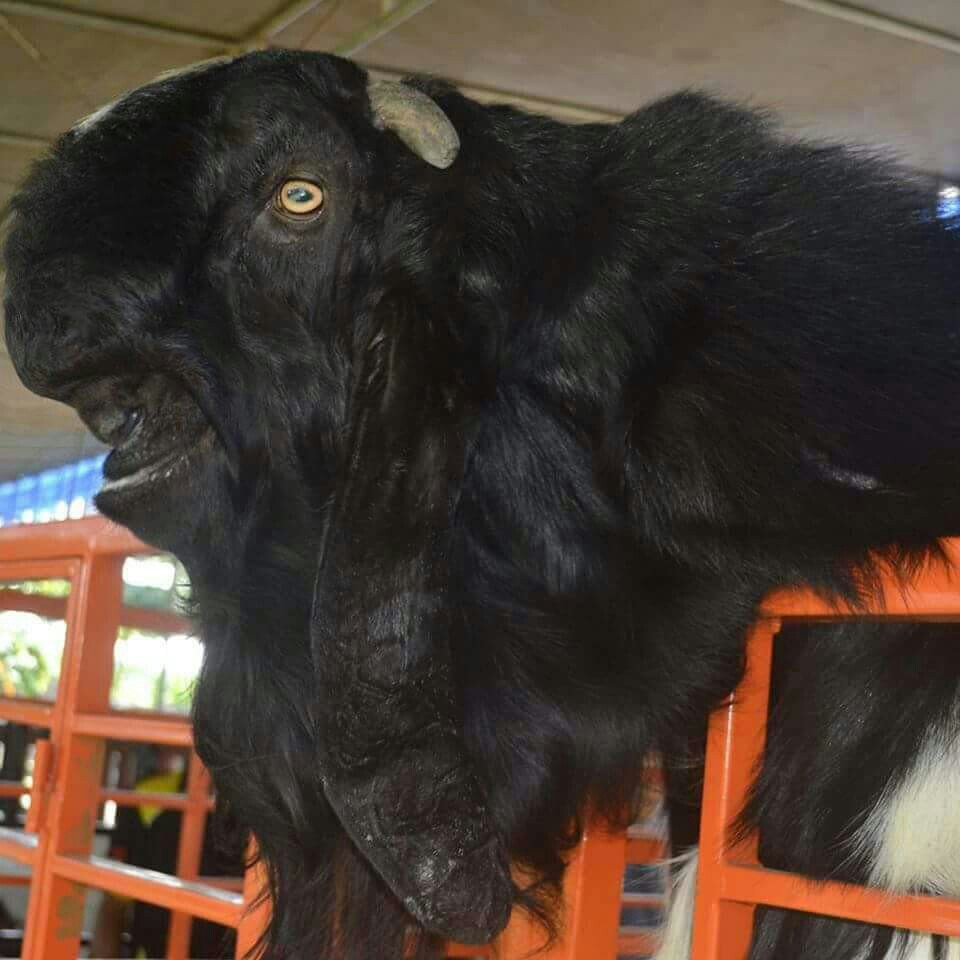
{"x":481,"y":437}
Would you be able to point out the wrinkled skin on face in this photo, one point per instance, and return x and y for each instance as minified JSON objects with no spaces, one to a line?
{"x":480,"y":466}
{"x":393,"y":760}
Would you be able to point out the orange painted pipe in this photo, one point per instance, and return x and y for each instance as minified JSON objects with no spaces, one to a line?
{"x":14,"y":879}
{"x":40,"y":793}
{"x":55,"y":608}
{"x":69,"y":538}
{"x":30,"y":713}
{"x":722,"y":928}
{"x":124,"y":726}
{"x":162,"y":801}
{"x":849,"y":902}
{"x":18,"y":846}
{"x":211,"y":903}
{"x":256,"y":910}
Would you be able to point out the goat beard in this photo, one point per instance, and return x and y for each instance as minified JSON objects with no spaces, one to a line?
{"x":346,"y":758}
{"x":326,"y":900}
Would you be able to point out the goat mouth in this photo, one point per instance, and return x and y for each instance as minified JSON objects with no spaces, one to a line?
{"x":132,"y":469}
{"x":163,"y":468}
{"x":152,"y":423}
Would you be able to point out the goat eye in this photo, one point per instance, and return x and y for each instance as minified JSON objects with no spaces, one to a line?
{"x":299,"y":198}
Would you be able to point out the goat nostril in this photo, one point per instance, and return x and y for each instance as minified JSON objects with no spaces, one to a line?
{"x":115,"y":425}
{"x":113,"y":409}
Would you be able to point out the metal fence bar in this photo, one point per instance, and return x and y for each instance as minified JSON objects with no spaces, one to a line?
{"x":731,"y":882}
{"x":211,"y":903}
{"x":90,"y":554}
{"x":55,"y":914}
{"x":189,"y":852}
{"x":28,"y":712}
{"x":120,"y":725}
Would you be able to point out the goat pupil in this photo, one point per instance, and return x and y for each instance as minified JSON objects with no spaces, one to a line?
{"x":299,"y":195}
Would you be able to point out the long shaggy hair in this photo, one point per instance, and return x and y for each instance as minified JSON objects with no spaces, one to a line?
{"x":480,"y":469}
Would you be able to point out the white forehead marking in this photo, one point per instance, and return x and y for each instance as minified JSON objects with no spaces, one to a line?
{"x":89,"y":122}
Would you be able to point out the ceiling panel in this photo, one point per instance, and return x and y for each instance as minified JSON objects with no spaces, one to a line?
{"x":80,"y":71}
{"x":14,"y":162}
{"x":23,"y":453}
{"x":234,"y":19}
{"x":824,"y":75}
{"x":942,"y":15}
{"x":331,"y":24}
{"x":36,"y":433}
{"x":21,"y":411}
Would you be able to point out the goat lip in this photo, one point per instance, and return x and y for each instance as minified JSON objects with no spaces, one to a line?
{"x":162,"y":467}
{"x":136,"y":454}
{"x":158,"y":469}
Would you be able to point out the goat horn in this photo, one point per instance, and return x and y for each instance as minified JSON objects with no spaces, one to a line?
{"x":416,"y":120}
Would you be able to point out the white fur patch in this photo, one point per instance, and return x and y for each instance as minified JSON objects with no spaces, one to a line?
{"x":677,"y":933}
{"x":912,"y":837}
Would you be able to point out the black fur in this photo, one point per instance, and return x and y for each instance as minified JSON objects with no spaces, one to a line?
{"x":852,"y":705}
{"x":673,"y":363}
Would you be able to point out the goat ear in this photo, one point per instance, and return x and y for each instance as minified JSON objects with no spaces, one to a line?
{"x":392,"y":757}
{"x":416,"y":120}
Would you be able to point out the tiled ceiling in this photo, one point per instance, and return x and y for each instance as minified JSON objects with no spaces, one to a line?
{"x":234,"y":19}
{"x":875,"y":84}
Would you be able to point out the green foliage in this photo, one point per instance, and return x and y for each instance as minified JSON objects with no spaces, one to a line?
{"x":39,"y":588}
{"x":23,"y":667}
{"x":154,"y":672}
{"x":31,"y":641}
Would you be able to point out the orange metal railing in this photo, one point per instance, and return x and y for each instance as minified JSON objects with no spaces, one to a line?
{"x":68,"y":765}
{"x":67,"y":791}
{"x":731,"y":881}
